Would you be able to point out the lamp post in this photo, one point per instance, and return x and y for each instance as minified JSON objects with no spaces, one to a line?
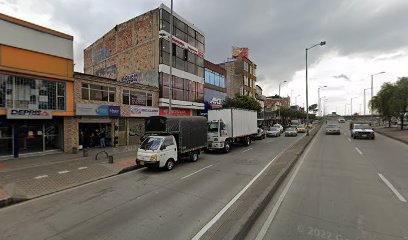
{"x":351,"y":107}
{"x":365,"y":100}
{"x":307,"y":91}
{"x":324,"y":108}
{"x":171,"y":58}
{"x":280,"y":99}
{"x":296,"y":99}
{"x":372,"y":88}
{"x":280,"y":87}
{"x":318,"y":99}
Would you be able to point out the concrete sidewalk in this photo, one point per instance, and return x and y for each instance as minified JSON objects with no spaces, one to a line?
{"x":394,"y":133}
{"x":27,"y":178}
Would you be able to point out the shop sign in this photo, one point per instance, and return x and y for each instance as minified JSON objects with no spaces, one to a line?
{"x":164,"y":111}
{"x":138,"y":111}
{"x":13,"y":113}
{"x":97,"y":110}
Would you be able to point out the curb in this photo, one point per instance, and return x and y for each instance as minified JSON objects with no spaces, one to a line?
{"x":390,"y":136}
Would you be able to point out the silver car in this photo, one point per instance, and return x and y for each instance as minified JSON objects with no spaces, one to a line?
{"x":291,"y":132}
{"x":273,"y":132}
{"x":333,"y":129}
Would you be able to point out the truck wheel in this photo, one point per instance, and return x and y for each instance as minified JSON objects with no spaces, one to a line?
{"x":169,"y":164}
{"x":194,"y":157}
{"x":227,"y":147}
{"x":247,"y":141}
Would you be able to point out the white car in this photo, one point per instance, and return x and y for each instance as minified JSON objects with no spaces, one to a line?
{"x":362,"y":131}
{"x":278,"y":126}
{"x":273,"y":132}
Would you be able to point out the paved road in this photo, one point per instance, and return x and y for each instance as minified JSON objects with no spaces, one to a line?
{"x":342,"y":189}
{"x":143,"y":204}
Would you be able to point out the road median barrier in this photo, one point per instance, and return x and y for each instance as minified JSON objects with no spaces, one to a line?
{"x":238,"y":220}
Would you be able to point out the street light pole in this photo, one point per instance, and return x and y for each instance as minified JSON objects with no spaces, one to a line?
{"x":280,"y":99}
{"x":171,"y":59}
{"x":319,"y":100}
{"x":372,"y":90}
{"x":307,"y":89}
{"x":365,"y":100}
{"x":280,"y":87}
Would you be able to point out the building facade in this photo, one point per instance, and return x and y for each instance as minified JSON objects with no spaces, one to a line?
{"x":241,"y":78}
{"x":36,"y":87}
{"x":215,"y":90}
{"x":116,"y":108}
{"x":272,"y":105}
{"x":138,"y":51}
{"x":261,"y":99}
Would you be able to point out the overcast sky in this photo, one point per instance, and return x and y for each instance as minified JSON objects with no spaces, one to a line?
{"x":363,"y":37}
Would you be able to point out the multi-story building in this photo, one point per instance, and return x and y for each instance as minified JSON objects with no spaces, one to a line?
{"x":36,"y":87}
{"x":241,"y":78}
{"x":215,"y":91}
{"x":261,"y":99}
{"x":116,"y":108}
{"x":138,"y":51}
{"x":272,"y":106}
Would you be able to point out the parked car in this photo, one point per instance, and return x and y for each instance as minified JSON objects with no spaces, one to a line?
{"x":332,"y":129}
{"x":273,"y":132}
{"x":362,"y":130}
{"x":290,"y":132}
{"x":278,"y":126}
{"x":301,"y":128}
{"x":260,"y":135}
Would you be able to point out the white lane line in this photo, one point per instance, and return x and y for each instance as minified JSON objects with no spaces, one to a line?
{"x":233,"y":200}
{"x":196,"y":171}
{"x":247,"y":150}
{"x":82,"y":168}
{"x":41,"y":176}
{"x":63,"y":172}
{"x":349,"y":139}
{"x":358,"y":150}
{"x":278,"y":203}
{"x":393,"y":189}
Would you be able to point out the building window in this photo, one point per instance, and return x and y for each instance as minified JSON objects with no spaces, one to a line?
{"x":98,"y":92}
{"x":214,"y":78}
{"x":137,"y":98}
{"x":183,"y":89}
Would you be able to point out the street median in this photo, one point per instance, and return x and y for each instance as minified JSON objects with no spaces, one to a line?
{"x":237,"y":221}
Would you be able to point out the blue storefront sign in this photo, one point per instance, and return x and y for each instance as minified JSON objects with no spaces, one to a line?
{"x":213,"y":100}
{"x":97,"y":110}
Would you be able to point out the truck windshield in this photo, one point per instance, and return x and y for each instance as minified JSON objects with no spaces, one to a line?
{"x":362,"y":126}
{"x":213,"y":127}
{"x":151,"y":143}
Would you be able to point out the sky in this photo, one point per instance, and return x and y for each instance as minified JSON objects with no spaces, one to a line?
{"x":363,"y":37}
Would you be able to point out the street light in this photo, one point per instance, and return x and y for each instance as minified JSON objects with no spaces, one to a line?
{"x":171,"y":58}
{"x":372,"y":89}
{"x":318,"y":99}
{"x":296,"y":99}
{"x":351,"y":106}
{"x":324,"y":104}
{"x":307,"y":91}
{"x":365,"y":100}
{"x":280,"y":87}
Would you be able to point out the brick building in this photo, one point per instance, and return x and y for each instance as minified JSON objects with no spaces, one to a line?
{"x":215,"y":90}
{"x":137,"y":52}
{"x":112,"y":106}
{"x":272,"y":105}
{"x":36,"y":87}
{"x":241,"y":77}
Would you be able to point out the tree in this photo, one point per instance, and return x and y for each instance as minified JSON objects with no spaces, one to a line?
{"x":313,"y":108}
{"x":244,"y":102}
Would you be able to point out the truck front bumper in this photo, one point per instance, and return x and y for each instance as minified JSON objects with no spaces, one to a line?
{"x":152,"y":164}
{"x":215,"y":145}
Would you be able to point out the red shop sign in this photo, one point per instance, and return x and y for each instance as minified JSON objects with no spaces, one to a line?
{"x":164,"y":111}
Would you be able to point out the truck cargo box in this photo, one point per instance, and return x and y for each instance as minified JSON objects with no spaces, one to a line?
{"x":239,"y":122}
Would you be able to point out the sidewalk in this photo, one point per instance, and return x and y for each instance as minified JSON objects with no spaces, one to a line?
{"x":394,"y":132}
{"x":27,"y":178}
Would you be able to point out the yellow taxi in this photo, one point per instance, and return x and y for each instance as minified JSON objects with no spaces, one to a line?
{"x":301,"y":129}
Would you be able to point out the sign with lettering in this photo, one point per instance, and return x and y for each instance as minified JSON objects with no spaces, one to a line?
{"x":14,"y":113}
{"x":164,"y":111}
{"x":138,"y":111}
{"x":97,"y":110}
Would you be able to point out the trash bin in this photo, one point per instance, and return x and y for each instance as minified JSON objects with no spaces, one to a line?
{"x":85,"y":152}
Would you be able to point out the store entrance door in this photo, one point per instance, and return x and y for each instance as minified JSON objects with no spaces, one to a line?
{"x":89,"y":134}
{"x":30,"y":138}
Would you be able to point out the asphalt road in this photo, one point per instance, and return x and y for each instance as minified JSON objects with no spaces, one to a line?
{"x":143,"y":204}
{"x":341,"y":189}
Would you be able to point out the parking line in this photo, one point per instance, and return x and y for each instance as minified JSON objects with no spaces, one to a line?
{"x":41,"y":176}
{"x":247,"y":150}
{"x":358,"y":150}
{"x":62,"y":172}
{"x":196,"y":171}
{"x":393,"y":189}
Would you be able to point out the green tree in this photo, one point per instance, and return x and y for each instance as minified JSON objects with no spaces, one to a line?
{"x":243,"y":102}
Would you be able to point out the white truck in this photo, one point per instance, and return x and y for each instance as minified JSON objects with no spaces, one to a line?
{"x":229,"y":126}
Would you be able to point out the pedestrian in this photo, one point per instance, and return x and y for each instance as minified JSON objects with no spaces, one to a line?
{"x":102,"y":138}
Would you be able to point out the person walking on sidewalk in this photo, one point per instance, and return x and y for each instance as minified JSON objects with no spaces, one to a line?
{"x":102,"y":138}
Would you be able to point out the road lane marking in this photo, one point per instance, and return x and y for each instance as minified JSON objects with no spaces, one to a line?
{"x":349,"y":139}
{"x":82,"y":168}
{"x":247,"y":150}
{"x":233,"y":200}
{"x":278,"y":203}
{"x":41,"y":176}
{"x":393,"y":189}
{"x":196,"y":171}
{"x":63,"y":172}
{"x":358,"y":150}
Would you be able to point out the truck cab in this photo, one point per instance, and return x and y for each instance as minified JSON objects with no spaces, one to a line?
{"x":217,"y":135}
{"x":158,"y":152}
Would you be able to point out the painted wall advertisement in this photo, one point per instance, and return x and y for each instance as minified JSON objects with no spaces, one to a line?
{"x":164,"y":111}
{"x":97,"y":110}
{"x":138,"y":111}
{"x":213,"y":99}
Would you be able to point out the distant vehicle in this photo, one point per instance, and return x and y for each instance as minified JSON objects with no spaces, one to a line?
{"x":332,"y":129}
{"x":362,"y":131}
{"x":229,"y":126}
{"x":315,"y":122}
{"x":290,"y":132}
{"x":301,"y":128}
{"x":169,"y":139}
{"x":260,"y":135}
{"x":279,"y":126}
{"x":295,"y":122}
{"x":273,"y":132}
{"x":342,"y":120}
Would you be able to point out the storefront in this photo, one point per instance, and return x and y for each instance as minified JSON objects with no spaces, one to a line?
{"x":164,"y":111}
{"x":136,"y":122}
